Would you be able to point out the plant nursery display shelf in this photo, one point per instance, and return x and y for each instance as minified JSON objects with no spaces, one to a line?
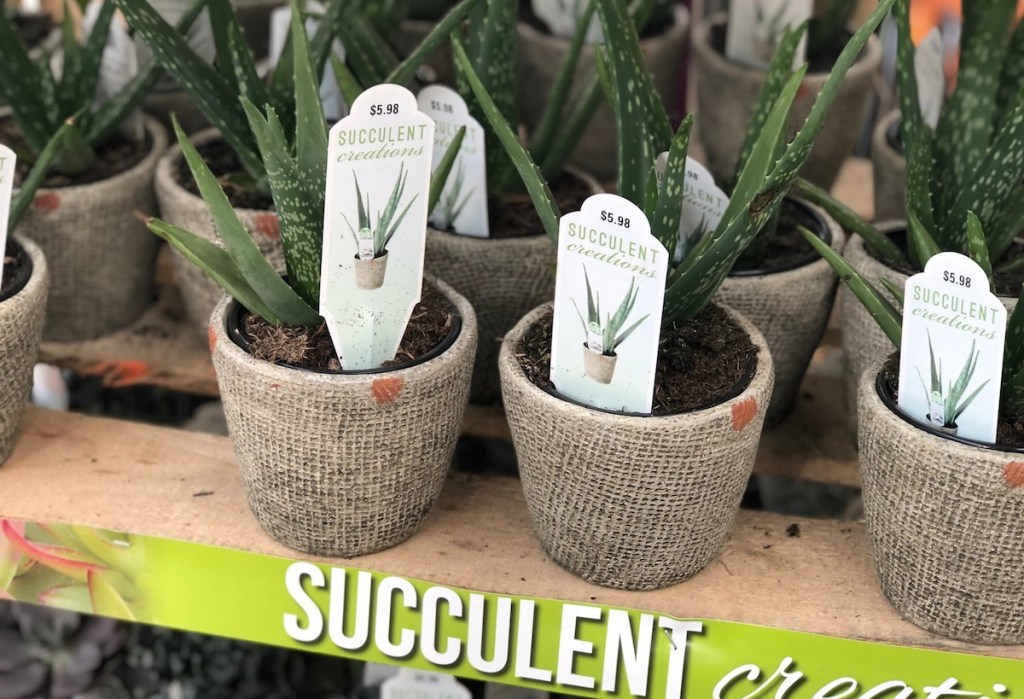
{"x":783,"y":572}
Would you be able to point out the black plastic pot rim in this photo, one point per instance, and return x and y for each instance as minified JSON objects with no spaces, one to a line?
{"x":233,"y":329}
{"x":883,"y":393}
{"x":24,"y":274}
{"x":823,"y":232}
{"x":892,"y":136}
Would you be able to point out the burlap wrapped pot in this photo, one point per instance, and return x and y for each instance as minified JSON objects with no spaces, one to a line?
{"x":946,"y":523}
{"x":504,"y":279}
{"x":541,"y":56}
{"x":791,"y":309}
{"x":22,"y":314}
{"x":182,"y":208}
{"x":727,"y":94}
{"x":632,"y":502}
{"x":344,"y":464}
{"x":101,"y":257}
{"x":889,"y":170}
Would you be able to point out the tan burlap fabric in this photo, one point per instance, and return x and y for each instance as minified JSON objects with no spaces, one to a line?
{"x":184,"y":209}
{"x":541,"y":56}
{"x":21,"y":327}
{"x":632,"y":502}
{"x":946,"y":522}
{"x":727,"y":93}
{"x":503,"y":278}
{"x":889,"y":171}
{"x":343,"y":465}
{"x":101,"y":257}
{"x":439,"y":65}
{"x":791,"y":310}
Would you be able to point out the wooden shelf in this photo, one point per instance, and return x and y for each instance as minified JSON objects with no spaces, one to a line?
{"x":147,"y":480}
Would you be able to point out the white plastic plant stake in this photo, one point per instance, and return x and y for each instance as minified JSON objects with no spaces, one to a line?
{"x":7,"y":162}
{"x":118,"y":67}
{"x":421,"y":684}
{"x":704,"y":203}
{"x":608,"y":302}
{"x":951,"y":361}
{"x":562,"y":16}
{"x":280,"y":26}
{"x":378,"y":176}
{"x":463,"y":203}
{"x":931,"y":76}
{"x":756,"y":26}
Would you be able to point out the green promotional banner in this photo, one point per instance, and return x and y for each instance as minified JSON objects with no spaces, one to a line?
{"x":582,"y":649}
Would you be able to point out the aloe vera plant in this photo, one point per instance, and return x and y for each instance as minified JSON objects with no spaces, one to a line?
{"x":767,"y":172}
{"x":605,"y":337}
{"x":948,"y":403}
{"x":42,"y":101}
{"x":372,"y":237}
{"x":453,"y":201}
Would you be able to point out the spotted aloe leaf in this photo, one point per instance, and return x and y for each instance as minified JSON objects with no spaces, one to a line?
{"x":440,"y":175}
{"x":668,"y":211}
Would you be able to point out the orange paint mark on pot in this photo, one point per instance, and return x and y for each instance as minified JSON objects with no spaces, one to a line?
{"x":1013,"y":474}
{"x":743,"y":412}
{"x":47,"y":201}
{"x":268,"y":225}
{"x":119,"y":373}
{"x":275,"y":386}
{"x":211,"y":337}
{"x":386,"y":390}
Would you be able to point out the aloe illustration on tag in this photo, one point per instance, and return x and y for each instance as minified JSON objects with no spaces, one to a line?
{"x":7,"y":162}
{"x":756,"y":26}
{"x":947,"y":401}
{"x":373,"y":235}
{"x":605,"y":333}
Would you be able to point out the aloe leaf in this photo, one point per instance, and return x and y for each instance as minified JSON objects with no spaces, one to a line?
{"x":372,"y":60}
{"x":20,"y":79}
{"x":78,"y":85}
{"x":920,"y":241}
{"x":977,"y":247}
{"x":406,"y":70}
{"x":540,"y":193}
{"x":593,"y":315}
{"x":245,"y":76}
{"x":310,"y":124}
{"x":222,"y":16}
{"x":582,"y":114}
{"x":668,"y":211}
{"x":1008,"y":224}
{"x":890,"y":323}
{"x":826,"y":30}
{"x":348,"y":85}
{"x":936,"y":371}
{"x":398,"y":221}
{"x":444,"y":168}
{"x":964,"y":377}
{"x":322,"y":42}
{"x":622,"y":312}
{"x":1013,"y":72}
{"x":894,"y":289}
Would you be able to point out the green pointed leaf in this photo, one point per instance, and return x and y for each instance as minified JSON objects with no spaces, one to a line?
{"x":406,"y":70}
{"x":20,"y":79}
{"x":669,"y":211}
{"x":310,"y":124}
{"x":977,"y":247}
{"x":81,"y":77}
{"x":920,"y":241}
{"x":23,"y":198}
{"x":444,"y":168}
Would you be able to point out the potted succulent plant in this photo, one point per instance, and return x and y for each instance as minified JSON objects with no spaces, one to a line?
{"x":360,"y":472}
{"x":727,"y":91}
{"x":101,"y":262}
{"x":664,"y":40}
{"x":230,"y":146}
{"x":615,"y":497}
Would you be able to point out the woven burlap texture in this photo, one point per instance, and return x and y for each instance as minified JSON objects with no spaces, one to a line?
{"x":101,"y":257}
{"x":791,"y":310}
{"x":504,"y":279}
{"x":946,"y":523}
{"x":635,"y":503}
{"x":21,"y":327}
{"x":863,"y":341}
{"x":889,"y":172}
{"x":541,"y":56}
{"x":343,"y":465}
{"x":727,"y":92}
{"x":186,"y":210}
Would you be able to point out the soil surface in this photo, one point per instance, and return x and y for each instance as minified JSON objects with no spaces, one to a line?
{"x":659,"y":22}
{"x":32,"y":29}
{"x":514,"y":216}
{"x":782,"y":248}
{"x":1009,"y":430}
{"x":311,"y":348}
{"x":223,"y":162}
{"x":115,"y":156}
{"x":14,"y":262}
{"x":701,"y":363}
{"x":821,"y":62}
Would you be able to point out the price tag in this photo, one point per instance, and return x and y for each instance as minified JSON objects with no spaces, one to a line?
{"x":952,"y":355}
{"x":704,"y":204}
{"x":280,"y":26}
{"x":756,"y":27}
{"x":462,"y":207}
{"x":608,"y":303}
{"x":375,"y":224}
{"x":118,"y":67}
{"x":7,"y":162}
{"x":421,"y":684}
{"x":562,"y":16}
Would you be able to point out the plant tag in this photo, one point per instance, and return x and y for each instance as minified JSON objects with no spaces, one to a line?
{"x":378,"y":176}
{"x":462,"y":207}
{"x":562,"y":16}
{"x":704,"y":204}
{"x":420,"y":684}
{"x":756,"y":27}
{"x":608,"y":303}
{"x":280,"y":27}
{"x":951,"y":360}
{"x":7,"y":162}
{"x":118,"y":66}
{"x":931,"y":76}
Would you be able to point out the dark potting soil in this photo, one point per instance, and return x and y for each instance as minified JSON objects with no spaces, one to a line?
{"x":784,"y":247}
{"x":14,"y":261}
{"x":659,"y":22}
{"x":32,"y":29}
{"x":311,"y":348}
{"x":115,"y":156}
{"x":223,"y":162}
{"x":514,"y":216}
{"x":1009,"y":430}
{"x":820,"y":62}
{"x":701,"y":362}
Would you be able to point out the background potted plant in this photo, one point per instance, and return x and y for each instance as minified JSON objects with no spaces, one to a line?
{"x":614,"y":497}
{"x":888,"y":169}
{"x":361,"y":472}
{"x":727,"y":92}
